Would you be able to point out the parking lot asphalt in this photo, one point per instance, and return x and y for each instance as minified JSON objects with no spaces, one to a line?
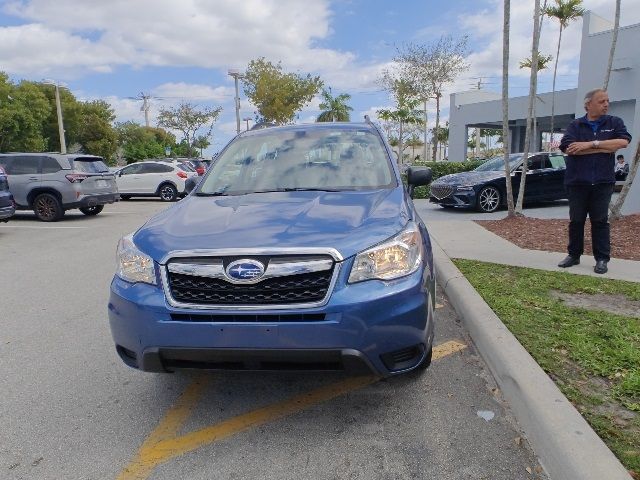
{"x":70,"y":409}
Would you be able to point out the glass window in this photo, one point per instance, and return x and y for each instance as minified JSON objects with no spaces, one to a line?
{"x":131,"y":169}
{"x":323,"y":158}
{"x":89,"y":165}
{"x":496,"y":164}
{"x":156,"y":168}
{"x":23,"y":166}
{"x":538,"y":162}
{"x":557,"y":161}
{"x":50,"y":165}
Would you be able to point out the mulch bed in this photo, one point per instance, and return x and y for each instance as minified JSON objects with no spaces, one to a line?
{"x":552,"y":235}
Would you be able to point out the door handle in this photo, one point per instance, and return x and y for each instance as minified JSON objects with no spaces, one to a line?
{"x":33,"y":178}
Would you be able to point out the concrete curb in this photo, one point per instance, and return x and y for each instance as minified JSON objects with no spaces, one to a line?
{"x":566,"y":445}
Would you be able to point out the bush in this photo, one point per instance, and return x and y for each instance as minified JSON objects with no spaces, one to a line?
{"x":440,"y":169}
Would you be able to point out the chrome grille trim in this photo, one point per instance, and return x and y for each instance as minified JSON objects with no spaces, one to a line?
{"x":442,"y":191}
{"x":164,"y":274}
{"x":274,"y":269}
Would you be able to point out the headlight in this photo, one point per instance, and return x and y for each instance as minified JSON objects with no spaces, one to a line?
{"x":464,"y":188}
{"x":133,"y":265}
{"x":395,"y":258}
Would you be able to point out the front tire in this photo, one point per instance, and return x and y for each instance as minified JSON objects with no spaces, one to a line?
{"x":48,"y":208}
{"x":488,"y":199}
{"x":90,"y":211}
{"x":168,"y":193}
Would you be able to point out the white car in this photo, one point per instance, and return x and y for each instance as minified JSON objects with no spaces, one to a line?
{"x":153,"y":179}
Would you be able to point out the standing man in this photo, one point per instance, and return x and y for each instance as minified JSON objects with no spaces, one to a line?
{"x":590,"y":143}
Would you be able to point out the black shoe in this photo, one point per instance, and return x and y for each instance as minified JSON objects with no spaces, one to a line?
{"x":601,"y":267}
{"x":570,"y":261}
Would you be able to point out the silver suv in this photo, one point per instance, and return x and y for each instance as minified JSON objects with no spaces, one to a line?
{"x":51,"y":183}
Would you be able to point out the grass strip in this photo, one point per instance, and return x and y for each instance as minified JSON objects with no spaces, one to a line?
{"x":592,"y":354}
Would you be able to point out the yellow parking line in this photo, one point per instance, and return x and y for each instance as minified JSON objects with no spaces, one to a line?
{"x":163,"y":444}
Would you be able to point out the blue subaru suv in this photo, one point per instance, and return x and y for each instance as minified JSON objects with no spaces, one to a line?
{"x":299,"y":250}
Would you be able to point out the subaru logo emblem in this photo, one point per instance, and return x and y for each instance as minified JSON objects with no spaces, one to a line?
{"x":245,"y":270}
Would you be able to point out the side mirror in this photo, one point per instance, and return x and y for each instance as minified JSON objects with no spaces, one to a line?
{"x":189,"y":184}
{"x":417,"y":176}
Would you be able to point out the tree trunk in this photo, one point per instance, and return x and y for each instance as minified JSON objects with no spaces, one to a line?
{"x":437,"y":128}
{"x":553,"y":89}
{"x":400,"y":147}
{"x":425,"y":131}
{"x":505,"y":104}
{"x":533,"y":83}
{"x":617,"y":206}
{"x":614,"y":40}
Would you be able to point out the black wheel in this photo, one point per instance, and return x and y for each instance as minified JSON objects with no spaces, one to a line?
{"x":168,"y":193}
{"x":125,"y":197}
{"x":48,"y":208}
{"x":488,"y":199}
{"x":96,"y":209}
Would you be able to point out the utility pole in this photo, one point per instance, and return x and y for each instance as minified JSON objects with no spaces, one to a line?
{"x":145,"y":107}
{"x":236,"y":75}
{"x":63,"y":143}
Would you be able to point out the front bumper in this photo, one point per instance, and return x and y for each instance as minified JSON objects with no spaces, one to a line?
{"x":6,"y":212}
{"x":459,"y":198}
{"x":384,"y":327}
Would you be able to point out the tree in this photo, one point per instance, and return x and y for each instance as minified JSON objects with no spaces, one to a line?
{"x":614,"y":40}
{"x":405,"y":112}
{"x":543,"y":62}
{"x":201,"y":142}
{"x":506,"y":19}
{"x":334,"y":109}
{"x":189,"y":120}
{"x":564,"y":11}
{"x":138,"y":142}
{"x":96,"y":134}
{"x":24,"y":109}
{"x":278,"y":95}
{"x":430,"y":68}
{"x":533,"y":86}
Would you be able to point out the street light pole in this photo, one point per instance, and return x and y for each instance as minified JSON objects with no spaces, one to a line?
{"x":63,"y":143}
{"x":236,"y":74}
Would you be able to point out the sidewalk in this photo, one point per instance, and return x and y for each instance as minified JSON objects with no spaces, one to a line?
{"x":566,"y":445}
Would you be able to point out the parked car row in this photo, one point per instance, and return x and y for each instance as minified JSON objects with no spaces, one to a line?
{"x":52,"y":183}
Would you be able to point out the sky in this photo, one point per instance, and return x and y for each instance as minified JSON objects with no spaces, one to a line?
{"x":182,"y":50}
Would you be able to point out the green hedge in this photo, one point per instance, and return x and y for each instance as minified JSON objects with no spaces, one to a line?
{"x":440,"y":169}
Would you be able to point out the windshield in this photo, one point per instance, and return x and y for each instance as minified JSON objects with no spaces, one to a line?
{"x":298,"y":159}
{"x":496,"y":164}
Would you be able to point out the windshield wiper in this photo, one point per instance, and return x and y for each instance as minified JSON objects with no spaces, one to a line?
{"x":298,"y":189}
{"x":211,"y":194}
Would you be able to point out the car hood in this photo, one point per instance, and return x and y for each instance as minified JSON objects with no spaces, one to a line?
{"x":468,"y":178}
{"x":346,"y":221}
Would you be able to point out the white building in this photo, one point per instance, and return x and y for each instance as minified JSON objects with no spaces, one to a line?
{"x":483,"y":109}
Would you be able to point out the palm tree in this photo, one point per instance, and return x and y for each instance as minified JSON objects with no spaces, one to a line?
{"x":505,"y":104}
{"x":543,"y":62}
{"x":334,"y":109}
{"x":564,"y":11}
{"x":614,"y":40}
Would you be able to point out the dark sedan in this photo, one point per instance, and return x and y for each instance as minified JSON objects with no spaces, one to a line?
{"x":485,"y":187}
{"x":7,"y":205}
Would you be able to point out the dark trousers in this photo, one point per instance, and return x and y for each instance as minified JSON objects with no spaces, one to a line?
{"x":594,"y":201}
